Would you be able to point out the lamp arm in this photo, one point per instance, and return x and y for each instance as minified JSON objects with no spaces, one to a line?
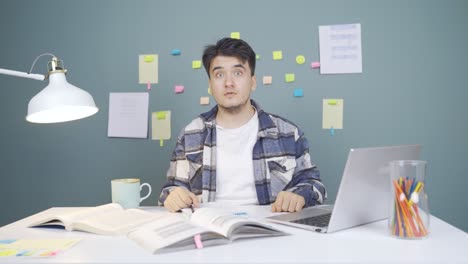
{"x":29,"y":75}
{"x":34,"y":76}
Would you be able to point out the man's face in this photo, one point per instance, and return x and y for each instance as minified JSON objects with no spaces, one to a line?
{"x":231,"y":82}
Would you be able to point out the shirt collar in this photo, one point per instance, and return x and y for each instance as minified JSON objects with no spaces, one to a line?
{"x":266,"y":126}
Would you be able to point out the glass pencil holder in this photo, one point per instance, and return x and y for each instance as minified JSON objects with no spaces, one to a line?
{"x":409,"y":209}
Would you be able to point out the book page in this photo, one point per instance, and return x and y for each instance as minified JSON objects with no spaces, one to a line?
{"x":66,"y":219}
{"x":115,"y":222}
{"x":171,"y":232}
{"x":108,"y":219}
{"x":231,"y":225}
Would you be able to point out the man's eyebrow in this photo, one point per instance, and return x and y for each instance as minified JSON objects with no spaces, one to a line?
{"x":221,"y":67}
{"x":216,"y":68}
{"x":239,"y":66}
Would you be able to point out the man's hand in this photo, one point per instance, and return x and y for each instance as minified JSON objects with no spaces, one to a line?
{"x":288,"y":202}
{"x":180,"y":198}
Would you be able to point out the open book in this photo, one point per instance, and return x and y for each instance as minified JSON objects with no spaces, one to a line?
{"x":108,"y":219}
{"x":162,"y":231}
{"x":210,"y":226}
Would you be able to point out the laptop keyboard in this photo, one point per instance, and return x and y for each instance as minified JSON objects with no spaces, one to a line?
{"x":319,"y":220}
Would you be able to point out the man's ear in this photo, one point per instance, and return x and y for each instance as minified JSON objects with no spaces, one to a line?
{"x":254,"y":85}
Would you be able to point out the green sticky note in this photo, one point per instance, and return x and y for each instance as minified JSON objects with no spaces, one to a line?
{"x":235,"y":35}
{"x":277,"y":55}
{"x":149,"y":58}
{"x":257,"y":57}
{"x":196,"y":64}
{"x":332,"y":102}
{"x":161,"y":115}
{"x":289,"y":77}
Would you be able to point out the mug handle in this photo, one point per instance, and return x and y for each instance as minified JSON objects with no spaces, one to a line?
{"x":149,"y":190}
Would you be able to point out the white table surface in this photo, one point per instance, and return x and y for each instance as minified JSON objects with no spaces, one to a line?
{"x":369,"y":243}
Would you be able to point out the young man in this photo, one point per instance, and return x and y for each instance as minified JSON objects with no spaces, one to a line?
{"x":237,"y":153}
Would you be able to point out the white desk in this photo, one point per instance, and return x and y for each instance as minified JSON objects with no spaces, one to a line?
{"x":365,"y":244}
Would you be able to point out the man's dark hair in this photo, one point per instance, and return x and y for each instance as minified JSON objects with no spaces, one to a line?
{"x":231,"y":48}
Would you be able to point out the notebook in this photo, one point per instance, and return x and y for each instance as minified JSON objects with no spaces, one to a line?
{"x":363,"y":195}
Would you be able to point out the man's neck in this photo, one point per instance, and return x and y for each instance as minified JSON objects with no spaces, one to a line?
{"x":227,"y":119}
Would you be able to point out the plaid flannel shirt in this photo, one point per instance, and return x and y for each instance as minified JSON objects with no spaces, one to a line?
{"x":281,"y":160}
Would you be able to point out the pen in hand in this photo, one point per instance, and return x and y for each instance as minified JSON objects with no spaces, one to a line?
{"x":191,"y":208}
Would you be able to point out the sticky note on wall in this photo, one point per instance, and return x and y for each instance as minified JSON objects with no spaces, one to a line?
{"x":179,"y":88}
{"x":300,"y":59}
{"x":267,"y":79}
{"x":148,"y":68}
{"x":196,"y":64}
{"x":235,"y":35}
{"x":289,"y":77}
{"x":298,"y":92}
{"x":204,"y":100}
{"x":161,"y":125}
{"x":332,"y":113}
{"x":176,"y":52}
{"x":277,"y":55}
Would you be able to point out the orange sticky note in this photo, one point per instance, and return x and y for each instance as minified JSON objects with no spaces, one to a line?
{"x":204,"y":100}
{"x":267,"y":79}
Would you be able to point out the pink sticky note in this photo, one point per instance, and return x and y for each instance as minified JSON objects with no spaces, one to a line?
{"x":179,"y":89}
{"x":315,"y":65}
{"x":148,"y":86}
{"x":197,"y":240}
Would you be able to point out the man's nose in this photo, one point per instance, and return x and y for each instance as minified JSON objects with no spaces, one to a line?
{"x":228,"y":82}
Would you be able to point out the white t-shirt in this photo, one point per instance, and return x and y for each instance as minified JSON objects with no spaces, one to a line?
{"x":235,"y":183}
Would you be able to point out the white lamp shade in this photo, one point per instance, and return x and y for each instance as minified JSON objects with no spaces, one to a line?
{"x":60,"y":102}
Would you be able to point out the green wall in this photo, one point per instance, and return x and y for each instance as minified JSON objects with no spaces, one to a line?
{"x":413,"y":89}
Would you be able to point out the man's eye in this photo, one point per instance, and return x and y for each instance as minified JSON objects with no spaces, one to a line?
{"x":238,"y":73}
{"x":219,"y":75}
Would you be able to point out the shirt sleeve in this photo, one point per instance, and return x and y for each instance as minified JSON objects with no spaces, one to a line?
{"x":306,"y":178}
{"x":178,"y":172}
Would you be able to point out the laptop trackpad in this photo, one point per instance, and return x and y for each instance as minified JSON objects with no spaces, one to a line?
{"x":305,"y":213}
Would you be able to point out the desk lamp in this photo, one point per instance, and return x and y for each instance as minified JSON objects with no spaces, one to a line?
{"x":59,"y":101}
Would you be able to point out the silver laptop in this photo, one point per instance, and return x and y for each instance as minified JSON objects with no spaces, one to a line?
{"x":363,"y":195}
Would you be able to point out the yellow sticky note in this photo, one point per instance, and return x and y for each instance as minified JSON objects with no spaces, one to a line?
{"x":196,"y":64}
{"x":8,"y":252}
{"x":161,"y":115}
{"x":257,"y":57}
{"x":332,"y":101}
{"x":235,"y":35}
{"x":267,"y":79}
{"x":148,"y":68}
{"x":161,"y":125}
{"x":149,"y":58}
{"x":277,"y":55}
{"x":300,"y":59}
{"x":204,"y":100}
{"x":209,"y":91}
{"x":289,"y":77}
{"x":332,"y":115}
